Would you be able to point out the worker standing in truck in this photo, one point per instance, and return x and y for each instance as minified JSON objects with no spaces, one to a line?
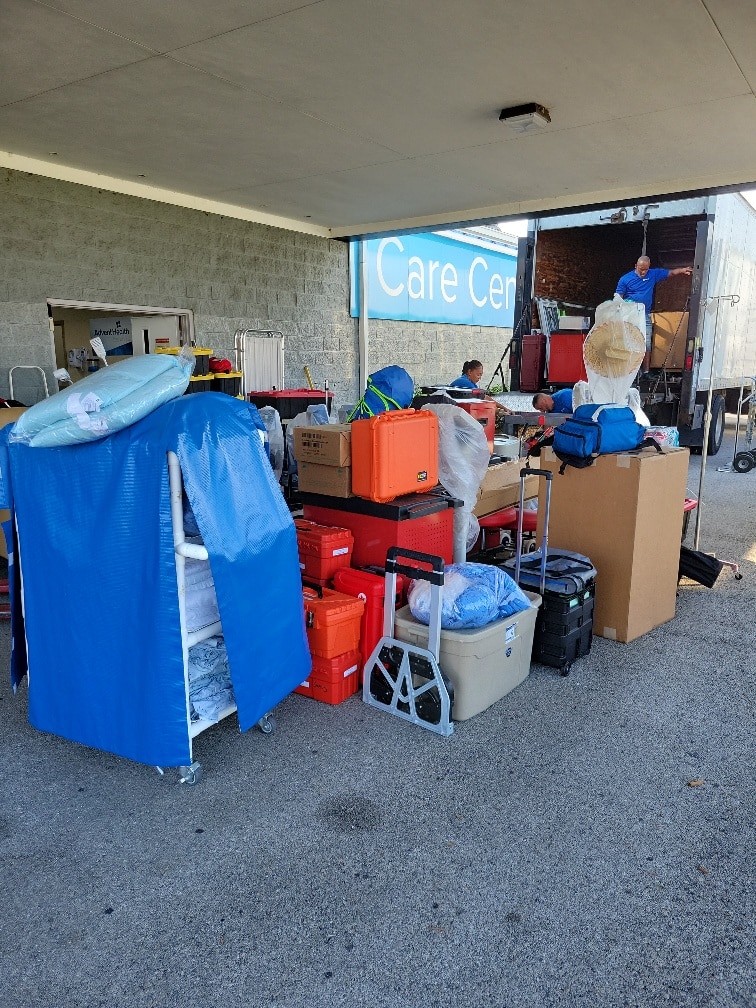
{"x":638,"y":285}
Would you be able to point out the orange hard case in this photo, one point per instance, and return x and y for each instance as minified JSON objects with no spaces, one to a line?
{"x":394,"y":453}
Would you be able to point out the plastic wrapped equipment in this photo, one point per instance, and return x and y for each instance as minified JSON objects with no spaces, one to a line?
{"x":272,"y":420}
{"x":473,"y":595}
{"x":613,"y":350}
{"x":391,"y":388}
{"x":463,"y":457}
{"x":105,"y":401}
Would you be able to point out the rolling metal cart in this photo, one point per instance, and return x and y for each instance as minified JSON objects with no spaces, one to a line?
{"x":185,"y":550}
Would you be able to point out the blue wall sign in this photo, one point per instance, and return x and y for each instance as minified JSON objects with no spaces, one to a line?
{"x":436,"y":278}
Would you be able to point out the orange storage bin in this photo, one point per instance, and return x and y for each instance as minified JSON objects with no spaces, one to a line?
{"x":322,"y":549}
{"x":332,"y":680}
{"x":484,"y":411}
{"x":394,"y":453}
{"x":332,"y":621}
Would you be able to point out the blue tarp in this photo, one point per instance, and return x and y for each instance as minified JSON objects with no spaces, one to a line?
{"x":101,"y":609}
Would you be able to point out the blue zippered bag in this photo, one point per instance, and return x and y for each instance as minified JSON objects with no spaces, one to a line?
{"x":596,"y":430}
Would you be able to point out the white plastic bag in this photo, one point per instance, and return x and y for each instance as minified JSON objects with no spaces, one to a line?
{"x":463,"y":457}
{"x":473,"y":595}
{"x":272,"y":420}
{"x":613,"y":350}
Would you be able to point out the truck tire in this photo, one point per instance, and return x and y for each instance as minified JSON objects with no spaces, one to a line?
{"x":717,"y":424}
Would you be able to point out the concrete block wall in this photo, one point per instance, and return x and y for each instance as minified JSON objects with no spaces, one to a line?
{"x":74,"y":242}
{"x":435,"y":352}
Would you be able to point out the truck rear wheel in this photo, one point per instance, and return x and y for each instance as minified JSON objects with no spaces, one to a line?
{"x":717,"y":424}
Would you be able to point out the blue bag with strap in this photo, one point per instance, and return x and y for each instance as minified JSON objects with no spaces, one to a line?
{"x":597,"y":429}
{"x":391,"y":388}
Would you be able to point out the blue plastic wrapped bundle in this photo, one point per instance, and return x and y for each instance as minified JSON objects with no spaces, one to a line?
{"x":473,"y":595}
{"x":391,"y":388}
{"x":104,"y":402}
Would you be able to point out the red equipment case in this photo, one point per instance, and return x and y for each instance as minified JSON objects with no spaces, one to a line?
{"x":332,"y":621}
{"x":566,"y":362}
{"x":532,"y":362}
{"x":290,"y":402}
{"x":421,"y":522}
{"x":322,"y":549}
{"x":332,"y":680}
{"x":484,"y":411}
{"x":394,"y":453}
{"x":371,"y":588}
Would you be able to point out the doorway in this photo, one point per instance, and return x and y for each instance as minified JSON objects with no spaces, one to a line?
{"x":125,"y":331}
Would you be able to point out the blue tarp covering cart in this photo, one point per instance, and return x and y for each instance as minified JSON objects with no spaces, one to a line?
{"x":101,"y":635}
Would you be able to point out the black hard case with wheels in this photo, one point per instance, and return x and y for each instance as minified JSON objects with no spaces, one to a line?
{"x":566,"y":583}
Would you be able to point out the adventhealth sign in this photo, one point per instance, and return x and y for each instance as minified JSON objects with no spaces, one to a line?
{"x":436,"y":278}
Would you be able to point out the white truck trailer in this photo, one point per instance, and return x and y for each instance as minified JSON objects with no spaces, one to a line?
{"x":574,"y":262}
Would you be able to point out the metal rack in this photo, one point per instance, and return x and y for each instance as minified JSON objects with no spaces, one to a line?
{"x":184,"y":550}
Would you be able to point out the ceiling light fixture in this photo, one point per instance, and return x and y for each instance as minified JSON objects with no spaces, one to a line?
{"x":524,"y":118}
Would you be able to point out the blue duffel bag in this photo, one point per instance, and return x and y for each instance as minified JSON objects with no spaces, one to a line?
{"x":597,"y":430}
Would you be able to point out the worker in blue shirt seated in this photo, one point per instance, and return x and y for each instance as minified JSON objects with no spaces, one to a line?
{"x":638,"y":285}
{"x":558,"y":402}
{"x":472,"y":372}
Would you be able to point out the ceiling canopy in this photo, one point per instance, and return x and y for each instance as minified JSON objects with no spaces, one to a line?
{"x":348,"y":117}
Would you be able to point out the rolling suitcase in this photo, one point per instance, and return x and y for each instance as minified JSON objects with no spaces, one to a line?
{"x":566,"y":583}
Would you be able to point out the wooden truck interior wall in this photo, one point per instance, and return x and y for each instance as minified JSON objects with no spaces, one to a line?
{"x":582,"y":265}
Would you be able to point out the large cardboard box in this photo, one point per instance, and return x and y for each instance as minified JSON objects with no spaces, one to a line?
{"x":625,"y":512}
{"x":326,"y":444}
{"x":7,"y":416}
{"x":335,"y":481}
{"x":665,"y":326}
{"x":501,"y":487}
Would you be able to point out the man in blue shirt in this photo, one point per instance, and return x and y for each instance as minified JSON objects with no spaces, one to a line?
{"x":638,"y":285}
{"x":559,"y":402}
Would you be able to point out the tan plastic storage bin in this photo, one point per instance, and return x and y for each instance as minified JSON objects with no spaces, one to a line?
{"x":483,"y":664}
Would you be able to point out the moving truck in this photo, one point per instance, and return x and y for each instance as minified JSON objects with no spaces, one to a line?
{"x":704,"y":325}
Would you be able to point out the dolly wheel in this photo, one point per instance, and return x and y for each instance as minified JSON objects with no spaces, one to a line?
{"x":743,"y":462}
{"x":565,"y":669}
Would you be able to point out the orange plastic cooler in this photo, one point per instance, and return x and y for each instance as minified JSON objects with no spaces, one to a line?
{"x":394,"y":453}
{"x":322,"y":549}
{"x":332,"y":621}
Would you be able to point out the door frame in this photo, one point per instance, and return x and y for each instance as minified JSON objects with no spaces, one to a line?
{"x":185,"y":315}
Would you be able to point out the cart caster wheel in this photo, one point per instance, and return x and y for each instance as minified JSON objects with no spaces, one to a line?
{"x":565,"y":669}
{"x":190,"y":775}
{"x":267,"y":724}
{"x":738,"y":576}
{"x":743,"y":462}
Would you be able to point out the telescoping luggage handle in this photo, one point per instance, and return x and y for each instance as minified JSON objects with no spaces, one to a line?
{"x":436,"y":577}
{"x":524,"y":473}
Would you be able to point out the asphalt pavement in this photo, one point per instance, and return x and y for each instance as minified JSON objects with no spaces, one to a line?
{"x":587,"y":842}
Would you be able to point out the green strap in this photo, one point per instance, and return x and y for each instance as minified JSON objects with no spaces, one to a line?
{"x":362,"y":407}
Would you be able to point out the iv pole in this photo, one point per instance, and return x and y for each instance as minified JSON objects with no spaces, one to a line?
{"x":733,"y":299}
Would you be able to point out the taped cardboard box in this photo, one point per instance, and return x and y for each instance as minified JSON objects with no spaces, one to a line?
{"x":501,"y":487}
{"x":670,"y":330}
{"x":326,"y":444}
{"x":334,"y":481}
{"x":624,"y":512}
{"x":7,"y":416}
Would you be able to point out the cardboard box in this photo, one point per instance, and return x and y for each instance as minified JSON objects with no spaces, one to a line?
{"x":665,"y":325}
{"x":335,"y":481}
{"x":327,"y":444}
{"x":579,"y":322}
{"x":624,"y":512}
{"x":501,"y":487}
{"x":7,"y":416}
